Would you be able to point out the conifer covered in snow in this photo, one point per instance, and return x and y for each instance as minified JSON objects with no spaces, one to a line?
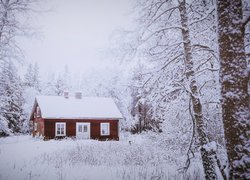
{"x":167,"y":81}
{"x":32,"y":77}
{"x":11,"y":100}
{"x":12,"y":17}
{"x":49,"y":86}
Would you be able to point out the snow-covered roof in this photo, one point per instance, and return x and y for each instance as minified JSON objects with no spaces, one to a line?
{"x":85,"y":108}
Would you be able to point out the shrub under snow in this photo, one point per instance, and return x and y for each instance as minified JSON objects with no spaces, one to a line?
{"x":133,"y":157}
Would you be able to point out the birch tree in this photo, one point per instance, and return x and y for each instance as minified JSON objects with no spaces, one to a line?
{"x":234,"y":79}
{"x":181,"y":63}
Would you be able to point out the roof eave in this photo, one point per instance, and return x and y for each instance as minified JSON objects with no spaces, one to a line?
{"x":33,"y":110}
{"x":89,"y":118}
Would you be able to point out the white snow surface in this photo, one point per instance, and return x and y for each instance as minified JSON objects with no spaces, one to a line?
{"x":211,"y":146}
{"x":71,"y":108}
{"x":134,"y":157}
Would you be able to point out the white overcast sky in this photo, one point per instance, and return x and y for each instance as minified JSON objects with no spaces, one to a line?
{"x":74,"y":32}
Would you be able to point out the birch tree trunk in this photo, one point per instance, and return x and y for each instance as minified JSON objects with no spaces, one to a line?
{"x":234,"y":91}
{"x":206,"y":154}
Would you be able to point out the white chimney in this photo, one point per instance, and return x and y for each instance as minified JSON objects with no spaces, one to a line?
{"x":66,"y":94}
{"x":78,"y":95}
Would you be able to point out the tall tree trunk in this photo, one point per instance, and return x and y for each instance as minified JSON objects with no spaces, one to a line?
{"x":234,"y":91}
{"x":206,"y":154}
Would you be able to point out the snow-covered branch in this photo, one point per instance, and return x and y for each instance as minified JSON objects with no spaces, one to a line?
{"x":162,"y":30}
{"x":206,"y":69}
{"x":161,"y":14}
{"x":210,"y":12}
{"x":245,"y":22}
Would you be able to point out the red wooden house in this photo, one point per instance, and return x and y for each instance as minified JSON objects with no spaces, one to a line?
{"x":80,"y":117}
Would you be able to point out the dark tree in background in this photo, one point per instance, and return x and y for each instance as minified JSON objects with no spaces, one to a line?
{"x":234,"y":86}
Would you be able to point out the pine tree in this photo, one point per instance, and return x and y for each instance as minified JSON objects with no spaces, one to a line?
{"x":66,"y":78}
{"x":12,"y":16}
{"x":49,"y":87}
{"x":4,"y":129}
{"x":63,"y":82}
{"x":11,"y":99}
{"x":28,"y":79}
{"x":36,"y":78}
{"x":31,"y":78}
{"x":59,"y":86}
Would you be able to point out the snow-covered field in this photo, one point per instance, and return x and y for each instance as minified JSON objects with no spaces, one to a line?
{"x":133,"y":157}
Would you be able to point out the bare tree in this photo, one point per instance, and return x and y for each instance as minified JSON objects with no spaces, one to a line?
{"x":12,"y":13}
{"x":234,"y":86}
{"x":206,"y":153}
{"x":170,"y":30}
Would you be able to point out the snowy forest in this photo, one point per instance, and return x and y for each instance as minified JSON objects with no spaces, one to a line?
{"x":181,"y":77}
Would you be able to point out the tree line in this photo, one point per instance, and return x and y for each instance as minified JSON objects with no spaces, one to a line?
{"x":187,"y":75}
{"x":193,"y":58}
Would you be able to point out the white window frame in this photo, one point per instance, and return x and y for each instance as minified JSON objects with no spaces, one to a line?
{"x":102,"y":126}
{"x":60,"y":123}
{"x":35,"y":126}
{"x":79,"y":134}
{"x":38,"y":111}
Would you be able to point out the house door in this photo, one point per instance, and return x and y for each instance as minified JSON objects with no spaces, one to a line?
{"x":83,"y":130}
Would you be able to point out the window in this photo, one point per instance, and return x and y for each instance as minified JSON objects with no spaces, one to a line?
{"x":85,"y":128}
{"x":104,"y":129}
{"x":35,"y":126}
{"x":79,"y":128}
{"x":38,"y":111}
{"x":60,"y":129}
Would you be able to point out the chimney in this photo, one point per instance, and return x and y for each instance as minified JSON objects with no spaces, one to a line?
{"x":78,"y":95}
{"x":66,"y":94}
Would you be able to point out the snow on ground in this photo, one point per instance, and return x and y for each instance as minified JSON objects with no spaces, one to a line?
{"x":133,"y":157}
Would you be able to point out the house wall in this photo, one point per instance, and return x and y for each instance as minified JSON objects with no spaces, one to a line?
{"x":95,"y":128}
{"x":40,"y":127}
